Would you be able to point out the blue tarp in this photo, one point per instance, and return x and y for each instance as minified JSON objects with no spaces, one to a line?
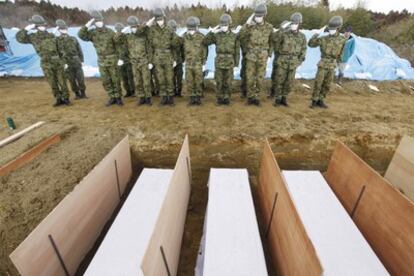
{"x":372,"y":60}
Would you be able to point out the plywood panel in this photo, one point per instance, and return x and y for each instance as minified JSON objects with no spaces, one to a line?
{"x":400,"y":172}
{"x":341,"y":247}
{"x":124,"y":246}
{"x":170,"y":224}
{"x":383,"y":215}
{"x":232,"y":239}
{"x":76,"y":222}
{"x":291,"y":249}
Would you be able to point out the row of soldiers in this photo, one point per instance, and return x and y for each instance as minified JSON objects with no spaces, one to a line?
{"x":150,"y":56}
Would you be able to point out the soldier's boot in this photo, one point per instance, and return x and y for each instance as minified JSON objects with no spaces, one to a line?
{"x":277,"y":102}
{"x":58,"y":102}
{"x":111,"y":101}
{"x":164,"y":100}
{"x":314,"y":104}
{"x":130,"y":94}
{"x":250,"y":101}
{"x":142,"y":101}
{"x":192,"y":100}
{"x":78,"y":95}
{"x":220,"y":101}
{"x":171,"y":100}
{"x":284,"y":102}
{"x":198,"y":100}
{"x":322,"y":104}
{"x":256,"y":102}
{"x":83,"y":94}
{"x":226,"y":101}
{"x":66,"y":102}
{"x":119,"y":101}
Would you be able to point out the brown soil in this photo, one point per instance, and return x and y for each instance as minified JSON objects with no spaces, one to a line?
{"x":370,"y":123}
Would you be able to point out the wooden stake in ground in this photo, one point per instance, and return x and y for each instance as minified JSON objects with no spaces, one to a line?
{"x":19,"y":134}
{"x":29,"y":155}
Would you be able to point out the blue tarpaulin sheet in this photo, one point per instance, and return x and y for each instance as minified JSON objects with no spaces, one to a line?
{"x":372,"y":60}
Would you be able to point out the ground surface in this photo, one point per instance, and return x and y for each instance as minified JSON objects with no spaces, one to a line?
{"x":370,"y":123}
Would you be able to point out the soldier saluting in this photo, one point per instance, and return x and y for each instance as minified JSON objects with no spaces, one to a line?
{"x":103,"y":40}
{"x":331,"y":47}
{"x":46,"y":47}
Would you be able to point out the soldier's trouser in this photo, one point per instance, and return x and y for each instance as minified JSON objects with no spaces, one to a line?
{"x":274,"y":78}
{"x":155,"y":87}
{"x":243,"y":75}
{"x":323,"y":81}
{"x":164,"y":73}
{"x":224,"y":79}
{"x":127,"y":77}
{"x":111,"y":80}
{"x":56,"y":78}
{"x":284,"y":80}
{"x":255,"y":73}
{"x":178,"y":78}
{"x":194,"y":79}
{"x":142,"y":80}
{"x":74,"y":74}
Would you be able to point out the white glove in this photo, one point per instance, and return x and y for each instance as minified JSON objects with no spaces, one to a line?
{"x":56,"y":31}
{"x":321,"y":30}
{"x":120,"y":62}
{"x":216,"y":29}
{"x":237,"y":29}
{"x":286,"y":25}
{"x":250,"y":21}
{"x":126,"y":30}
{"x":204,"y":67}
{"x":90,"y":22}
{"x":174,"y":64}
{"x":150,"y":66}
{"x":150,"y":22}
{"x":65,"y":66}
{"x":30,"y":27}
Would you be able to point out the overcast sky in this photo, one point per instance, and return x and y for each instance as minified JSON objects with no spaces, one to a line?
{"x":376,"y":5}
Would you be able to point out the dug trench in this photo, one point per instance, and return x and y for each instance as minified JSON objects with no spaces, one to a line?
{"x":370,"y":124}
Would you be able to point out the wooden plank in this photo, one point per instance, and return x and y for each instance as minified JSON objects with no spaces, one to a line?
{"x":232,"y":239}
{"x":163,"y":252}
{"x":124,"y":246}
{"x":383,"y":215}
{"x":400,"y":172}
{"x":340,"y":246}
{"x":291,"y":250}
{"x":76,"y":222}
{"x":29,"y":155}
{"x":19,"y":134}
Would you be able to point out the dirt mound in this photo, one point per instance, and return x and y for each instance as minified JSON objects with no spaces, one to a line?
{"x":370,"y":123}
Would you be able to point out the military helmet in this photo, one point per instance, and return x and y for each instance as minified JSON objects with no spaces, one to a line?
{"x":38,"y":20}
{"x":197,"y":20}
{"x":172,"y":24}
{"x":61,"y":24}
{"x":158,"y":13}
{"x":97,"y":16}
{"x":192,"y":23}
{"x":133,"y":21}
{"x":260,"y":10}
{"x":296,"y":18}
{"x":118,"y":27}
{"x":335,"y":22}
{"x":225,"y":20}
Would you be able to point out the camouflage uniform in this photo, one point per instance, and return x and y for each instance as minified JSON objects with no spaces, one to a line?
{"x":71,"y":52}
{"x":243,"y":38}
{"x":104,"y":42}
{"x":275,"y":39}
{"x":292,"y":52}
{"x":125,"y":69}
{"x":163,"y":43}
{"x":331,"y":49}
{"x":259,"y":49}
{"x":195,"y":55}
{"x":51,"y":62}
{"x":140,"y":56}
{"x":178,"y":70}
{"x":227,"y":57}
